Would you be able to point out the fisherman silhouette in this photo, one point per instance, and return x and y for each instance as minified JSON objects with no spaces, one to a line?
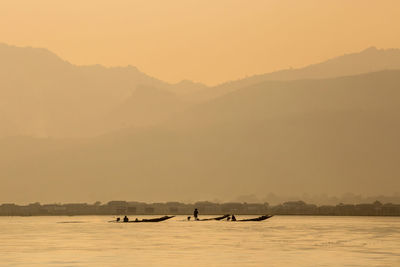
{"x":118,"y":219}
{"x":233,"y":218}
{"x":126,"y":219}
{"x":195,"y":214}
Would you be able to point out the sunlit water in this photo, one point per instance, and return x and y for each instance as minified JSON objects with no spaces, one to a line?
{"x":279,"y":241}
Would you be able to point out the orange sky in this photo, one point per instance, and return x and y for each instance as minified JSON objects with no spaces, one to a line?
{"x":210,"y":41}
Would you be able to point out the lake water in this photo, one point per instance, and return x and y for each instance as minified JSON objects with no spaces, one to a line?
{"x":279,"y":241}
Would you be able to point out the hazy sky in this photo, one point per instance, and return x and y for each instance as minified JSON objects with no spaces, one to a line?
{"x":210,"y":41}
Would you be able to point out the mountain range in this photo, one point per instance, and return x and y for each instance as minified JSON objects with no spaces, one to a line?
{"x":87,"y":133}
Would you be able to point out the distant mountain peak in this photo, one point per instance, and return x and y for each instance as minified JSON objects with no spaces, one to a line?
{"x":371,"y":48}
{"x":185,"y":81}
{"x":189,"y":82}
{"x":30,"y":52}
{"x":374,"y":50}
{"x":369,"y":60}
{"x":187,"y":87}
{"x":133,"y":68}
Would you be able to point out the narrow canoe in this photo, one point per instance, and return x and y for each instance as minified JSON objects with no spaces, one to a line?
{"x":258,"y":219}
{"x":215,"y":218}
{"x":160,"y":219}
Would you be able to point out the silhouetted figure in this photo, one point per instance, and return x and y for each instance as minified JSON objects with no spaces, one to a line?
{"x":188,"y":218}
{"x":118,"y":219}
{"x":195,"y":214}
{"x":126,"y":219}
{"x":233,"y":218}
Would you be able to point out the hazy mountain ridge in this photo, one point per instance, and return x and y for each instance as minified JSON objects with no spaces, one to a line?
{"x":145,"y":107}
{"x":258,"y":136}
{"x":284,"y":137}
{"x":45,"y":96}
{"x":368,"y":60}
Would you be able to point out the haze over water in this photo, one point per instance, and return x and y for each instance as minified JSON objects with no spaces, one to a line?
{"x":317,"y":113}
{"x":279,"y":241}
{"x":131,"y":101}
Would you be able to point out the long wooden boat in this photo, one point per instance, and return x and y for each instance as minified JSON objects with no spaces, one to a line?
{"x":258,"y":219}
{"x":215,"y":218}
{"x":160,"y":219}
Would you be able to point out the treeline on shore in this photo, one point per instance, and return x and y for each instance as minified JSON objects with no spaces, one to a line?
{"x":176,"y":208}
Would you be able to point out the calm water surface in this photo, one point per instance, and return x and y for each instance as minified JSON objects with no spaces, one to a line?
{"x":279,"y":241}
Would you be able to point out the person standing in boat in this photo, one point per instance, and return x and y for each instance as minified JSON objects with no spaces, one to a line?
{"x":126,"y":219}
{"x":195,"y":214}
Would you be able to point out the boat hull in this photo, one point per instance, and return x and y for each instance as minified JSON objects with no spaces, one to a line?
{"x":160,"y":219}
{"x":258,"y":219}
{"x":216,"y":218}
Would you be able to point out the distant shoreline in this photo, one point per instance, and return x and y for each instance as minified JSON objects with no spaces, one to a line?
{"x":205,"y":214}
{"x":115,"y":208}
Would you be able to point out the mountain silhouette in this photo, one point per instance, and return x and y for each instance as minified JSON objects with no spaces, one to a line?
{"x":44,"y":96}
{"x":145,"y":107}
{"x":322,"y":135}
{"x":368,"y":60}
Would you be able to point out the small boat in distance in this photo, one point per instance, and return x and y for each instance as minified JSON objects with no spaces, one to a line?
{"x":231,"y":218}
{"x":160,"y":219}
{"x":213,"y":219}
{"x":258,"y":219}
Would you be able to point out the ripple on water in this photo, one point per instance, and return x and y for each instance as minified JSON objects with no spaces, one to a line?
{"x":280,"y":241}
